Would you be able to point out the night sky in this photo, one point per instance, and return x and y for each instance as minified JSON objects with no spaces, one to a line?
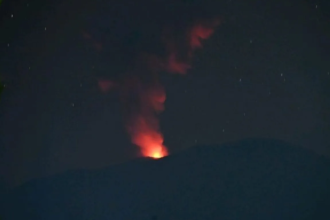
{"x":265,"y":72}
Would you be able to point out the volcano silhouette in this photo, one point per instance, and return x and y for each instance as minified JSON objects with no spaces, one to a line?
{"x":250,"y":179}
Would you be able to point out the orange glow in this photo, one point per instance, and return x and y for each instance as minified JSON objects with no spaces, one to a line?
{"x":150,"y":142}
{"x":157,"y":152}
{"x":143,"y":126}
{"x":142,"y":94}
{"x":157,"y":155}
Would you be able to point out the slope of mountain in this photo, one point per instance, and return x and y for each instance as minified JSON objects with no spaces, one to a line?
{"x":250,"y":179}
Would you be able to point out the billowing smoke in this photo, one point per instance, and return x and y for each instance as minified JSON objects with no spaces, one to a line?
{"x":141,"y":93}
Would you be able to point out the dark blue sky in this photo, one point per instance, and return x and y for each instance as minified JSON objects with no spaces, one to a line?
{"x":264,"y":73}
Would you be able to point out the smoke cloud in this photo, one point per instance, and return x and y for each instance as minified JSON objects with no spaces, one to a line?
{"x":141,"y":93}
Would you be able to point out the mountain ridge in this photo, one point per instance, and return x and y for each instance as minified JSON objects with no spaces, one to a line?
{"x":253,"y":178}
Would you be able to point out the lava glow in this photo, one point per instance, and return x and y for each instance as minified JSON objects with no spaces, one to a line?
{"x":157,"y":152}
{"x":153,"y":148}
{"x":143,"y":96}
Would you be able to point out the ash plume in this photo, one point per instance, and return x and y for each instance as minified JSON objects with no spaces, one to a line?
{"x":166,"y":47}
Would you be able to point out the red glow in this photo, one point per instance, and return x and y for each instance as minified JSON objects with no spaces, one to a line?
{"x":201,"y":32}
{"x":142,"y":122}
{"x":194,"y":35}
{"x":106,"y":85}
{"x":143,"y":96}
{"x":151,"y":144}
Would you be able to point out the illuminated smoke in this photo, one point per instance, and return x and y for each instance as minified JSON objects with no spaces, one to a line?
{"x":178,"y":61}
{"x":106,"y":85}
{"x":143,"y":98}
{"x":141,"y":93}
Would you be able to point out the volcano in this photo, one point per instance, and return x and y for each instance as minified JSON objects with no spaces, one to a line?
{"x":249,"y":179}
